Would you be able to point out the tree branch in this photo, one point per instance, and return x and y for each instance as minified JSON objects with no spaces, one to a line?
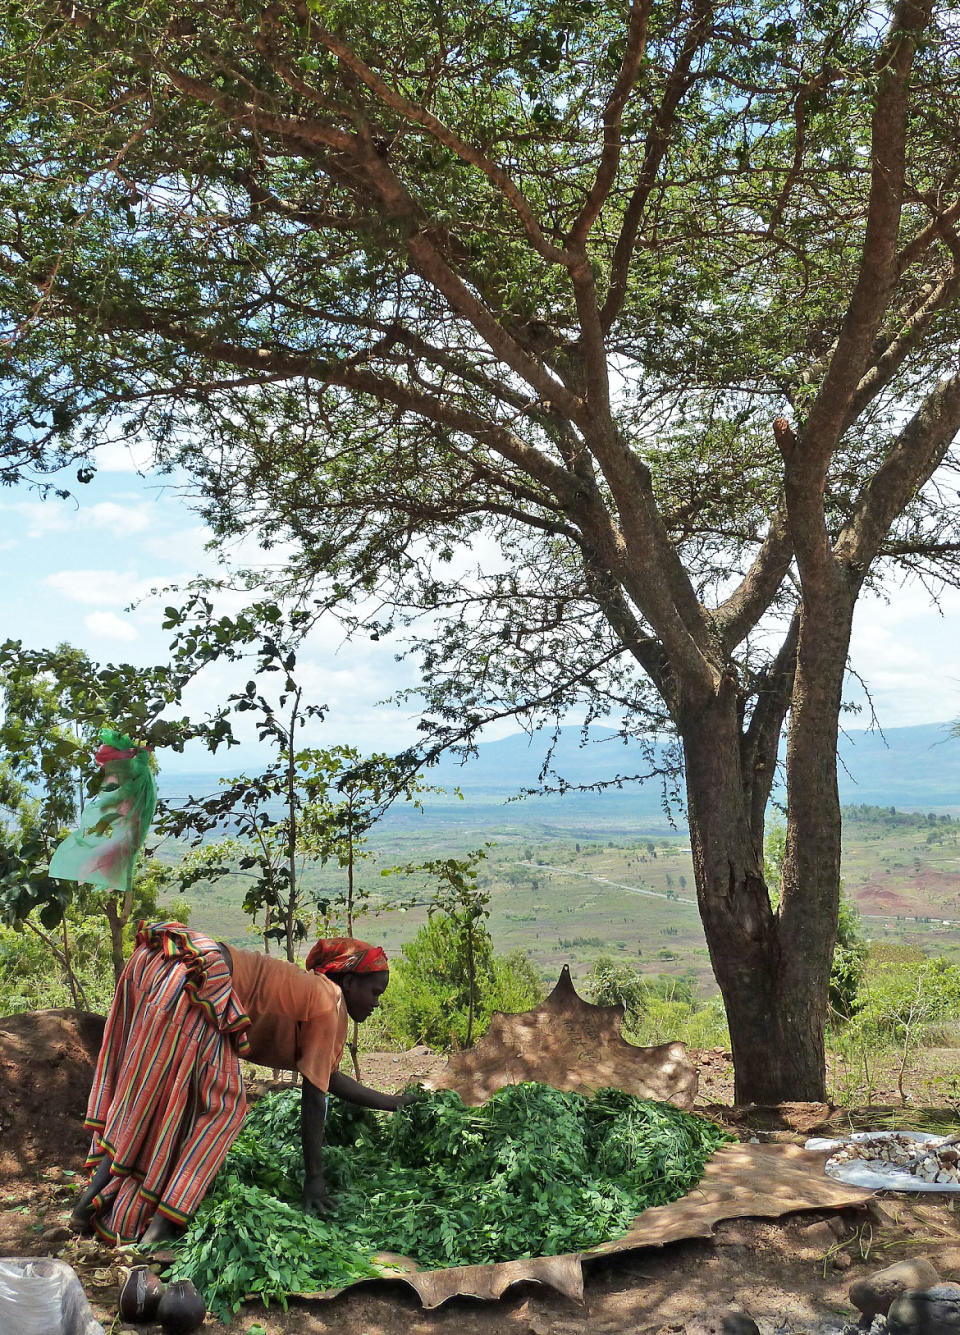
{"x":657,"y":143}
{"x":911,"y":253}
{"x":915,"y":250}
{"x":910,"y":325}
{"x":878,"y":263}
{"x":910,"y":462}
{"x":612,"y":120}
{"x":291,"y":128}
{"x":418,"y":115}
{"x":279,"y":362}
{"x":438,"y":272}
{"x":609,"y":598}
{"x":740,"y":612}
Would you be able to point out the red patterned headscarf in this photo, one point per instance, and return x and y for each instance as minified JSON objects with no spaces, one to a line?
{"x":344,"y":954}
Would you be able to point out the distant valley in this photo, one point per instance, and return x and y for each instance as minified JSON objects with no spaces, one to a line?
{"x":586,"y":874}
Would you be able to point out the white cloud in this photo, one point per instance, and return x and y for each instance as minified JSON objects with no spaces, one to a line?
{"x":120,"y":456}
{"x":122,"y":521}
{"x":41,"y":518}
{"x":108,"y":626}
{"x":102,"y":588}
{"x":187,"y":545}
{"x":905,"y":649}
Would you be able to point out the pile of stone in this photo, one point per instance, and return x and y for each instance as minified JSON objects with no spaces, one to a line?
{"x":928,"y":1161}
{"x":905,"y":1299}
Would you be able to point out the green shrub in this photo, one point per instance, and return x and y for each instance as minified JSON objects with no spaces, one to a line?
{"x":846,"y":981}
{"x":664,"y":1009}
{"x":699,"y":1026}
{"x":610,"y":983}
{"x":904,"y":1006}
{"x":31,"y":978}
{"x":427,"y":1000}
{"x":849,"y":963}
{"x":905,"y":998}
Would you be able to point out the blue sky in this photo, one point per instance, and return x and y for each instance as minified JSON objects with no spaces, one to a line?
{"x":70,"y":569}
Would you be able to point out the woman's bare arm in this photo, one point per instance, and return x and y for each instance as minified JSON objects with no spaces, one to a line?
{"x":346,"y":1088}
{"x":313,"y":1111}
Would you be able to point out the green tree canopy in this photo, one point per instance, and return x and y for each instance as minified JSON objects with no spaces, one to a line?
{"x":656,"y":301}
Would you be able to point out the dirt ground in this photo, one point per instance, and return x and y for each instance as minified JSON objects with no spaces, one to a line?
{"x":46,"y":1063}
{"x":792,"y":1275}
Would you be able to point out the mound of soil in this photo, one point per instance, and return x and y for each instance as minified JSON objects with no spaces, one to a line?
{"x":46,"y":1067}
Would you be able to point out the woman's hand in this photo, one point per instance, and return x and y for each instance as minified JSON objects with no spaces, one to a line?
{"x":315,"y":1198}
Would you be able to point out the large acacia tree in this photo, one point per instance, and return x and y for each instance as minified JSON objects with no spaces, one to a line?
{"x":660,"y":297}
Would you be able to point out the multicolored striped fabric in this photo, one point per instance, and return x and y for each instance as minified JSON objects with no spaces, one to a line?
{"x":167,"y":1098}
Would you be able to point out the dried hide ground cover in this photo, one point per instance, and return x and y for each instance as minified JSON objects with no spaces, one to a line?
{"x":536,"y":1171}
{"x":568,"y":1043}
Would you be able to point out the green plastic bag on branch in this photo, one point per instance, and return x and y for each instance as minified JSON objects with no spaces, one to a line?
{"x":533,"y":1172}
{"x":114,"y":825}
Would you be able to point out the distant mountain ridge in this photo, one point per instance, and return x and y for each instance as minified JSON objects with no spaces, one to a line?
{"x":914,"y":766}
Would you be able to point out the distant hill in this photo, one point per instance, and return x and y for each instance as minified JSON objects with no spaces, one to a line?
{"x":903,"y":767}
{"x":515,"y":762}
{"x":909,"y":768}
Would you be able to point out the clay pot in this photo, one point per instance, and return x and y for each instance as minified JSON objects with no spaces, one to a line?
{"x":140,"y":1295}
{"x":181,"y":1309}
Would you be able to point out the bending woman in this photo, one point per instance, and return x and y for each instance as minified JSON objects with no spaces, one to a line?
{"x":167,"y":1098}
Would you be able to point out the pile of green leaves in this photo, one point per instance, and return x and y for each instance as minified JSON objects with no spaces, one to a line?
{"x":534,"y":1172}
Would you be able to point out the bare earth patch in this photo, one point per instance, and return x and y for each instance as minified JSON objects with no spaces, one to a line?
{"x":46,"y":1065}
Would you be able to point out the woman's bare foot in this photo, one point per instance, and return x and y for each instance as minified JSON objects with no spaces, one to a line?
{"x":160,"y":1229}
{"x":81,"y":1223}
{"x":81,"y":1218}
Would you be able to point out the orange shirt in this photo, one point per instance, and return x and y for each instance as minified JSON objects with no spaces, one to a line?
{"x":298,"y":1019}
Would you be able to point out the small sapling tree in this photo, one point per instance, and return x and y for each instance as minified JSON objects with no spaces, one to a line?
{"x":308,"y":807}
{"x":458,"y":898}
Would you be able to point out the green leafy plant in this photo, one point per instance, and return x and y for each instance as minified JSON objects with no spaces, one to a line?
{"x":428,"y":1000}
{"x":657,"y":1009}
{"x":464,"y":905}
{"x":535,"y":1171}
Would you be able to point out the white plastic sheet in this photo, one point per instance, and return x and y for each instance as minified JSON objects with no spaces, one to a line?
{"x":877,"y":1174}
{"x":43,"y":1296}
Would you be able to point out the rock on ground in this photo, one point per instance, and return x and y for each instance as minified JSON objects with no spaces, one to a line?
{"x":873,"y":1295}
{"x":934,"y":1311}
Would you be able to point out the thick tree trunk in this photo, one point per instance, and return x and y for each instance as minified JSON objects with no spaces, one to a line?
{"x":773,"y":968}
{"x":766,"y":981}
{"x":810,"y":889}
